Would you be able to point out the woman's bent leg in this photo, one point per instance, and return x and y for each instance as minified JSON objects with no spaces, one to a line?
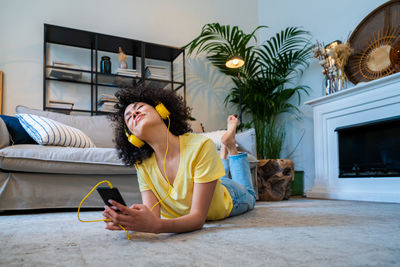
{"x":239,"y":168}
{"x":240,"y":186}
{"x":225,"y":162}
{"x":242,"y":200}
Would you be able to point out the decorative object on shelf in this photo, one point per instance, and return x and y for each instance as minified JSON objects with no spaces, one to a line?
{"x":374,"y":61}
{"x":105,"y":65}
{"x":269,"y":79}
{"x":236,"y":62}
{"x":333,"y":58}
{"x":395,"y":54}
{"x":122,"y":59}
{"x":325,"y":58}
{"x":372,"y":41}
{"x":341,"y":56}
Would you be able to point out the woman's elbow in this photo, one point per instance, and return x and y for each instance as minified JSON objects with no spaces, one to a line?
{"x":200,"y":223}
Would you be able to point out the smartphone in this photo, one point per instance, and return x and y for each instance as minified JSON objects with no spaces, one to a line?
{"x":107,"y":193}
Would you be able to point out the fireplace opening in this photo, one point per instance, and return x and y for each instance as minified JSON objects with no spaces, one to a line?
{"x":370,"y":149}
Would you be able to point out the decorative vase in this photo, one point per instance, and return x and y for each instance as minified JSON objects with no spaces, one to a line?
{"x":105,"y":65}
{"x":329,"y":86}
{"x":341,"y":80}
{"x":123,"y":64}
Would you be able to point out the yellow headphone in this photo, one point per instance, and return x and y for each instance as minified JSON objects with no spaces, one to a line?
{"x":164,"y":114}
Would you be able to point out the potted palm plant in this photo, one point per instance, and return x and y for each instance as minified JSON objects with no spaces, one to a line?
{"x":266,"y":83}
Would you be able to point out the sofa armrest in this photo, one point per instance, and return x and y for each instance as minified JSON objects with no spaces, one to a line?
{"x":4,"y":134}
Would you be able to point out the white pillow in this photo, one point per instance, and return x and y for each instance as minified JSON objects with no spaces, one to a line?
{"x":245,"y":141}
{"x":215,"y":136}
{"x":46,"y":131}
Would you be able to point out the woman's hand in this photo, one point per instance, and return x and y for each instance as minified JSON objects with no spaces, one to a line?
{"x":137,"y":218}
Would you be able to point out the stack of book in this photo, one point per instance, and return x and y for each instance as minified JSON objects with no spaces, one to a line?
{"x":63,"y":73}
{"x":156,"y":72}
{"x":128,"y":72}
{"x":61,"y":104}
{"x":107,"y":103}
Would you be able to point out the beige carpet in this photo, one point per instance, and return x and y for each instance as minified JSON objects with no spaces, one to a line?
{"x":298,"y":232}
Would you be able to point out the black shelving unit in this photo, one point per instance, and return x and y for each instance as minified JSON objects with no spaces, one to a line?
{"x":97,"y":43}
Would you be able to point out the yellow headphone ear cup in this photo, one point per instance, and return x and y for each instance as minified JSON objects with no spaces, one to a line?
{"x":162,"y":111}
{"x":134,"y":140}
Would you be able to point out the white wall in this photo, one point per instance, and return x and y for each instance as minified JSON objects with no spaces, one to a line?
{"x":327,"y":21}
{"x":172,"y":22}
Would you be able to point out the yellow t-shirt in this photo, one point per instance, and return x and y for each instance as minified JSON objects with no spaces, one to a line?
{"x":199,"y":163}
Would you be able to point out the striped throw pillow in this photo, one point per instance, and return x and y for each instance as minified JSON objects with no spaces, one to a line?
{"x":49,"y":132}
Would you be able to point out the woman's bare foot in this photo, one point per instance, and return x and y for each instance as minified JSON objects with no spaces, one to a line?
{"x":228,"y":139}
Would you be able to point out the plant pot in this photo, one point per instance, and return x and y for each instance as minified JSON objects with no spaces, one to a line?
{"x":297,"y":184}
{"x":274,"y":177}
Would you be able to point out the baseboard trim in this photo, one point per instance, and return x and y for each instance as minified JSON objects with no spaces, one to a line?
{"x":358,"y":196}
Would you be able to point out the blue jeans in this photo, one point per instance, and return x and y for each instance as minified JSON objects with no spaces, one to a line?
{"x":240,"y":186}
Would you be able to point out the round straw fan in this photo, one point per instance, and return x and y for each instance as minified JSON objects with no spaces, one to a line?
{"x":372,"y":41}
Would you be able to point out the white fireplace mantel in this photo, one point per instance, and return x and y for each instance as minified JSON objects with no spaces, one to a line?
{"x":375,"y":100}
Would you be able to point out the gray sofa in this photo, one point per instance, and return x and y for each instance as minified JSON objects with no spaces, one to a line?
{"x":40,"y":177}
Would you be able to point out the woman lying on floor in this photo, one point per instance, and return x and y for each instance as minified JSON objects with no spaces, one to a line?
{"x":192,"y":184}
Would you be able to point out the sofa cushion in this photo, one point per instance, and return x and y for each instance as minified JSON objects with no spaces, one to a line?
{"x":215,"y":136}
{"x":46,"y":131}
{"x":4,"y":134}
{"x":246,"y":140}
{"x":98,"y":128}
{"x":17,"y":132}
{"x":55,"y":159}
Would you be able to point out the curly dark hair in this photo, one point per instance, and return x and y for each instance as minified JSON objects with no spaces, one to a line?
{"x":179,"y":117}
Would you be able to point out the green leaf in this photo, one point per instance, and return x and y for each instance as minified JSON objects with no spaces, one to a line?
{"x":268,"y":78}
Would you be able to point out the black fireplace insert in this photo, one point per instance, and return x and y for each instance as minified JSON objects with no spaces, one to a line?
{"x":370,"y":149}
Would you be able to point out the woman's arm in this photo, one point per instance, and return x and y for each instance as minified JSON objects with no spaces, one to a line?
{"x":139,"y":218}
{"x":201,"y":200}
{"x":149,"y":200}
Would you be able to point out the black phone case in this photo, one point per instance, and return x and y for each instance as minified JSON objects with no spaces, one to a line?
{"x":107,"y":193}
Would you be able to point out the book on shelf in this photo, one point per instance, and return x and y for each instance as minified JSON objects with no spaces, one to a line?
{"x":108,"y":98}
{"x":156,"y":72}
{"x":66,"y":65}
{"x":60,"y":104}
{"x":128,"y":72}
{"x":107,"y":102}
{"x":65,"y":74}
{"x":107,"y":106}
